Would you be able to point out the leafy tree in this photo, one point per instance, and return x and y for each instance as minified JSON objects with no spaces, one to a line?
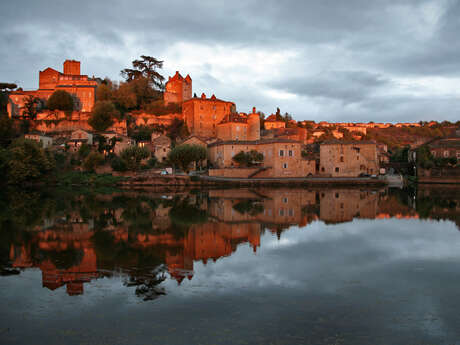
{"x":142,"y":133}
{"x":7,"y":131}
{"x":93,"y":160}
{"x":118,"y":164}
{"x":248,"y":159}
{"x":183,"y":155}
{"x":60,"y":100}
{"x":177,"y":129}
{"x":125,"y":98}
{"x":31,"y":107}
{"x":104,"y":92}
{"x":84,"y":151}
{"x":133,"y":155}
{"x":26,"y":161}
{"x":5,"y":89}
{"x":102,"y":115}
{"x":146,"y":67}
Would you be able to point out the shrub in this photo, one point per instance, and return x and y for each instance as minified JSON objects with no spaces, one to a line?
{"x":60,"y":100}
{"x":133,"y":156}
{"x":102,"y":115}
{"x":93,"y":160}
{"x":118,"y":164}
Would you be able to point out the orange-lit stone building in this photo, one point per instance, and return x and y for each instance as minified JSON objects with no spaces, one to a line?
{"x":348,"y":158}
{"x":236,"y":126}
{"x":271,"y":122}
{"x":282,"y":158}
{"x":202,"y":115}
{"x":178,"y":89}
{"x":79,"y":86}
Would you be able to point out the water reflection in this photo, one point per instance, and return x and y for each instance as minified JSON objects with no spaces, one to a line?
{"x":148,"y":237}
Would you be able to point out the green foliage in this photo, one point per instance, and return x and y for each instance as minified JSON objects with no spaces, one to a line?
{"x":104,"y":92}
{"x":93,"y":160}
{"x":133,"y":155}
{"x":31,"y":107}
{"x":251,"y":207}
{"x":142,"y":133}
{"x":7,"y":131}
{"x":125,"y":98}
{"x":152,"y":162}
{"x":159,"y":108}
{"x":118,"y":164}
{"x":177,"y":129}
{"x":183,"y":155}
{"x":102,"y":115}
{"x":248,"y":159}
{"x":60,"y":100}
{"x":400,"y":155}
{"x":145,"y":68}
{"x":25,"y":161}
{"x":84,"y":151}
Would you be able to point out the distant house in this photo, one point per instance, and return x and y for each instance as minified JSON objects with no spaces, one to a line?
{"x":78,"y":138}
{"x":447,"y":147}
{"x":44,"y":140}
{"x":348,"y":158}
{"x":161,"y":147}
{"x":271,"y":122}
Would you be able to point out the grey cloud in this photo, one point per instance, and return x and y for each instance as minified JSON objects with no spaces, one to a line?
{"x":345,"y":86}
{"x":370,"y":42}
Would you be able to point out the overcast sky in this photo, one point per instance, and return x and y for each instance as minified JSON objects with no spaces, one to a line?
{"x":354,"y":60}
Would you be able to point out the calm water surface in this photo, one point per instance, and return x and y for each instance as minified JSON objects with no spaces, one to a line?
{"x":261,"y":266}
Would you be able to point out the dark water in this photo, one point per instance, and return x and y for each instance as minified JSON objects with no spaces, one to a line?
{"x":265,"y":266}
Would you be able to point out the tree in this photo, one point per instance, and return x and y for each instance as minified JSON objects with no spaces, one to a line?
{"x":145,"y":67}
{"x":183,"y":155}
{"x":142,"y":133}
{"x":102,"y":115}
{"x":248,"y":159}
{"x":93,"y":160}
{"x":133,"y":156}
{"x":125,"y":97}
{"x":26,"y":161}
{"x":60,"y":100}
{"x":104,"y":92}
{"x":5,"y":89}
{"x":177,"y":129}
{"x":31,"y":107}
{"x":7,"y":131}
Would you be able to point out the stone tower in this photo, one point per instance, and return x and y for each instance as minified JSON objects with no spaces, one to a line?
{"x":253,"y":125}
{"x":178,"y":89}
{"x":72,"y":67}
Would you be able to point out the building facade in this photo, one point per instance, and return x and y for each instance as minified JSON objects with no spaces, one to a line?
{"x":82,"y":88}
{"x":178,"y":89}
{"x":202,"y":115}
{"x":348,"y":159}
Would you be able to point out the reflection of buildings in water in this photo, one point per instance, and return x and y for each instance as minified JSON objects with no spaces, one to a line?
{"x":71,"y":247}
{"x":234,"y":217}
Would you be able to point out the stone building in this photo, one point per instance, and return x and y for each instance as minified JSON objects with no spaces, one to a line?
{"x":282,"y":158}
{"x":236,"y":126}
{"x":348,"y":158}
{"x":202,"y":115}
{"x":161,"y":147}
{"x":448,"y":147}
{"x":178,"y":89}
{"x":43,"y":140}
{"x":79,"y":86}
{"x":271,"y":122}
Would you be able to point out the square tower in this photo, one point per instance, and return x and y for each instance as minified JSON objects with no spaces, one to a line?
{"x":72,"y":67}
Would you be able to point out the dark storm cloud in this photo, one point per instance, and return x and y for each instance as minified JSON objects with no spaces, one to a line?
{"x":345,"y":51}
{"x":346,"y":86}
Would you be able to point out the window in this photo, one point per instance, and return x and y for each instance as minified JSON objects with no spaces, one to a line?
{"x":357,"y":158}
{"x":336,"y":169}
{"x":446,"y":154}
{"x":285,"y":200}
{"x":337,"y":195}
{"x":322,"y":169}
{"x":281,"y":212}
{"x":285,"y":166}
{"x":281,"y":153}
{"x":341,"y":159}
{"x":290,"y":153}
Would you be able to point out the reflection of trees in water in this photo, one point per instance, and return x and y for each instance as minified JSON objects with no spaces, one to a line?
{"x":251,"y":207}
{"x":147,"y":282}
{"x":183,"y":215}
{"x":63,"y":259}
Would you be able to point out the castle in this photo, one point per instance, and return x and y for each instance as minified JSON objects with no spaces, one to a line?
{"x":82,"y":88}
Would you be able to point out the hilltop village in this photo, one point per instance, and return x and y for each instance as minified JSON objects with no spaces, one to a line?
{"x":98,"y":125}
